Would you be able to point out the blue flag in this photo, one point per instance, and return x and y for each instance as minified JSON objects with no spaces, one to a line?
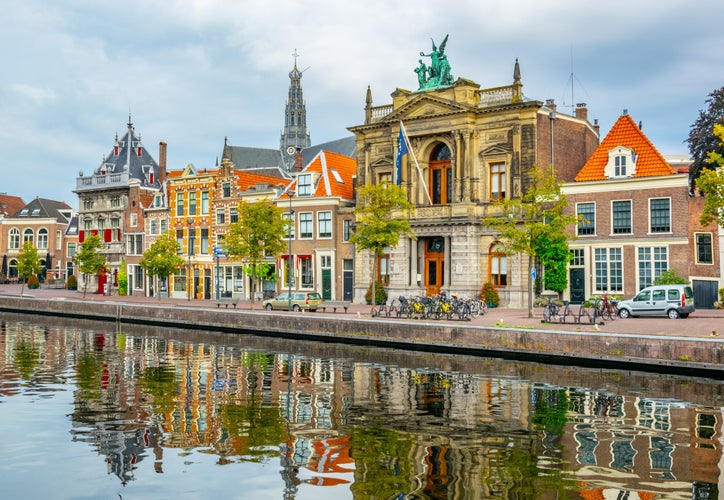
{"x":401,"y":151}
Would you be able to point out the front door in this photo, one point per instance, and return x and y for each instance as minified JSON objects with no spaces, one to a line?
{"x":434,"y":265}
{"x":327,"y":284}
{"x":348,"y":279}
{"x":578,"y":286}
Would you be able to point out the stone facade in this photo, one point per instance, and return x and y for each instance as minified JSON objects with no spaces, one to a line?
{"x":468,"y":149}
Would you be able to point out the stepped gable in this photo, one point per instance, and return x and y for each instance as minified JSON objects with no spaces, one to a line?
{"x":625,"y":132}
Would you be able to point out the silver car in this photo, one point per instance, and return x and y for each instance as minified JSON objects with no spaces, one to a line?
{"x":674,"y":301}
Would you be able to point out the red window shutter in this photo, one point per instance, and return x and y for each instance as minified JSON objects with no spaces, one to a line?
{"x":81,"y":236}
{"x":115,"y":150}
{"x":107,"y":235}
{"x":150,"y":178}
{"x":138,"y":151}
{"x":118,"y":234}
{"x":94,"y":232}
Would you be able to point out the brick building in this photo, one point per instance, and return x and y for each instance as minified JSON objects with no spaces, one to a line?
{"x":638,"y":221}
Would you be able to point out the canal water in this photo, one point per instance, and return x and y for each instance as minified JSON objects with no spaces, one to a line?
{"x":97,"y":410}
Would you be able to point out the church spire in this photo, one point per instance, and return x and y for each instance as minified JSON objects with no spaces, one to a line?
{"x":295,"y":134}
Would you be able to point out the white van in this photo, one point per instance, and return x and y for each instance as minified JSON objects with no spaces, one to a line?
{"x":674,"y":301}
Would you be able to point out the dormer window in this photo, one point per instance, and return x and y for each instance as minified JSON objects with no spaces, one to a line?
{"x":304,"y":184}
{"x":621,"y":163}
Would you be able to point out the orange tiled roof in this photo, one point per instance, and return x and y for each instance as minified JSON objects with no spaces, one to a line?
{"x":10,"y":204}
{"x":325,"y":163}
{"x":247,"y":179}
{"x":626,"y":133}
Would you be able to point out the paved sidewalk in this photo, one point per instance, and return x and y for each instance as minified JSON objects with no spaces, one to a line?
{"x":702,"y":323}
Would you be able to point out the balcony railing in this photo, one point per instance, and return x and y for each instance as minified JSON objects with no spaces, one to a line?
{"x":101,"y":181}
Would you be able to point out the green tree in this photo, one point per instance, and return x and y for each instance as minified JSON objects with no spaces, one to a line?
{"x":711,"y":184}
{"x":260,"y":230}
{"x":379,"y":221}
{"x":28,"y":263}
{"x":701,"y":141}
{"x":526,"y":224}
{"x":554,"y":254}
{"x":123,"y":279}
{"x":89,"y":258}
{"x":162,"y":258}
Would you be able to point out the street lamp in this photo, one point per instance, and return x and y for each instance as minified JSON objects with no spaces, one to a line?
{"x":290,"y":193}
{"x":190,"y":249}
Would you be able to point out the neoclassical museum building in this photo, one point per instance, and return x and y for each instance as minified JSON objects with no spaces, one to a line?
{"x":469,"y":147}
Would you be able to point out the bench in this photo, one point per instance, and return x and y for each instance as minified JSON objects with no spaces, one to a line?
{"x":55,"y":284}
{"x":227,"y":301}
{"x":334,"y":304}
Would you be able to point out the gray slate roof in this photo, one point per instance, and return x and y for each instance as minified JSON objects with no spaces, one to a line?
{"x":42,"y":208}
{"x":140,"y":167}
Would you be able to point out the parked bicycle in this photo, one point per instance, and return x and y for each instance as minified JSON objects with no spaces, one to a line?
{"x":606,"y":307}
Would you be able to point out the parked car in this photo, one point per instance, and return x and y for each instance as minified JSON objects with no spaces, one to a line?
{"x":674,"y":301}
{"x":309,"y":301}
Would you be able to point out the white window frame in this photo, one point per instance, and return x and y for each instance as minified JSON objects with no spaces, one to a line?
{"x":304,"y":185}
{"x":306,"y":221}
{"x":324,"y":226}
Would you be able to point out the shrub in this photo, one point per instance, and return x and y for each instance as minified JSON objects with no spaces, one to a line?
{"x":71,"y":283}
{"x":123,"y":280}
{"x":380,"y":294}
{"x":490,"y":295}
{"x":33,"y":282}
{"x":669,"y":278}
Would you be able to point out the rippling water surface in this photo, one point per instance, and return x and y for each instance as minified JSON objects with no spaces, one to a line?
{"x":92,"y":410}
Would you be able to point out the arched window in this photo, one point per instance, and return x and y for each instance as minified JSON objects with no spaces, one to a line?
{"x":14,"y":239}
{"x":28,"y":236}
{"x":13,"y":268}
{"x":42,"y":239}
{"x":441,"y":175}
{"x":498,"y":265}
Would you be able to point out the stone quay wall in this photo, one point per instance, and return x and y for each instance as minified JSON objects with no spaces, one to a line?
{"x":663,"y":354}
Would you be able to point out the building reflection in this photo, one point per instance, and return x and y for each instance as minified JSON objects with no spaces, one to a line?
{"x":333,"y":423}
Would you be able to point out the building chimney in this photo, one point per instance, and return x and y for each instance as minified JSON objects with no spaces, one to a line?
{"x":551,"y":103}
{"x":162,"y":162}
{"x":582,"y":111}
{"x":298,"y":160}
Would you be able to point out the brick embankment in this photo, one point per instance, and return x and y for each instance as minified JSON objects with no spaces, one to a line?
{"x":687,"y":346}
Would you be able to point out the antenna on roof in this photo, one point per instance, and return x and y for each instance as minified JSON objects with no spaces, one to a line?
{"x":572,"y":79}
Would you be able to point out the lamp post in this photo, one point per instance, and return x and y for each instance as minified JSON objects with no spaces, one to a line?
{"x":290,"y":193}
{"x":190,"y":249}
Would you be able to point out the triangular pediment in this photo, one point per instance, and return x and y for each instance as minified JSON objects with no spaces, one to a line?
{"x":189,"y":171}
{"x":384,"y":161}
{"x":495,"y":150}
{"x":426,"y":106}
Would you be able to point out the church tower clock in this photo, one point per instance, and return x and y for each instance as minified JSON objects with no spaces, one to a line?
{"x":295,"y":134}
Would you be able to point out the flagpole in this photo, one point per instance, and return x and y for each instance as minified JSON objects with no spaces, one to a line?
{"x":417,"y":165}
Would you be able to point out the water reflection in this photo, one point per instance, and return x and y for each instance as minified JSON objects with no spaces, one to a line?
{"x":197,"y":413}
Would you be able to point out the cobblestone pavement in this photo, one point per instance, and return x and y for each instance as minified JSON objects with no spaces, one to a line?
{"x":707,"y":323}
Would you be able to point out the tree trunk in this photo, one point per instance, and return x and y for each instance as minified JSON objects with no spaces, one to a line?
{"x":530,"y":286}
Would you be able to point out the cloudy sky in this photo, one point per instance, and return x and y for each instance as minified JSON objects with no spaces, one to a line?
{"x":192,"y":72}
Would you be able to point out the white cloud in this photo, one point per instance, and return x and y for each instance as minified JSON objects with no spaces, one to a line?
{"x":195,"y":71}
